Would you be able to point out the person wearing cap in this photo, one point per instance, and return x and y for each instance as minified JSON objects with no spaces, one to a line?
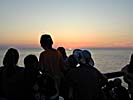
{"x":88,"y":58}
{"x":51,"y":60}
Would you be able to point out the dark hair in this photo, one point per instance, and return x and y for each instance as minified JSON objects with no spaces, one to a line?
{"x":117,"y":82}
{"x":31,"y":62}
{"x":46,"y":41}
{"x":72,"y":61}
{"x":62,"y":51}
{"x":11,"y":57}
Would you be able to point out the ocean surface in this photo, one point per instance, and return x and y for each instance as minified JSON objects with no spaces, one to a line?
{"x":106,"y":60}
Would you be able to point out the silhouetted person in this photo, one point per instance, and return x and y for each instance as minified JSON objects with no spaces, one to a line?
{"x":51,"y":61}
{"x":39,"y":86}
{"x":128,"y":76}
{"x":65,"y":58}
{"x":72,"y":61}
{"x":63,"y":52}
{"x":88,"y":57}
{"x":84,"y":57}
{"x":85,"y":80}
{"x":67,"y":90}
{"x":31,"y":74}
{"x":12,"y":77}
{"x":121,"y":92}
{"x":31,"y":64}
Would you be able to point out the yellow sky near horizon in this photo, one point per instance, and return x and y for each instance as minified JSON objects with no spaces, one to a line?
{"x":69,"y":39}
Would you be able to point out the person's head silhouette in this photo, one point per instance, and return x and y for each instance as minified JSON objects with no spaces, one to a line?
{"x":62,"y":51}
{"x":31,"y":63}
{"x":11,"y":57}
{"x":72,"y":61}
{"x":46,"y":41}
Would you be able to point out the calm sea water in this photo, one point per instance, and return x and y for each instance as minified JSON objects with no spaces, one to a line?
{"x":106,"y":60}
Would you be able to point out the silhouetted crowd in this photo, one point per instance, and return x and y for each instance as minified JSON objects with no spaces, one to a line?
{"x":55,"y":76}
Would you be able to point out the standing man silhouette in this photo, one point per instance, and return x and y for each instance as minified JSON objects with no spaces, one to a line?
{"x":51,"y":60}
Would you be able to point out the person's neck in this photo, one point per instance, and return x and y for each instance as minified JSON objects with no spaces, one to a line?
{"x":49,"y":48}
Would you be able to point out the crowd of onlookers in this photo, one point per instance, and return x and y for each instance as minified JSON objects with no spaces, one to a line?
{"x":55,"y":76}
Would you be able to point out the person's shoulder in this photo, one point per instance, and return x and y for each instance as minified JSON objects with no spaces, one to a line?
{"x":124,"y":69}
{"x":57,"y":53}
{"x":93,"y":70}
{"x":42,"y":52}
{"x":54,"y":50}
{"x":49,"y":51}
{"x":2,"y":68}
{"x":20,"y":69}
{"x":89,"y":67}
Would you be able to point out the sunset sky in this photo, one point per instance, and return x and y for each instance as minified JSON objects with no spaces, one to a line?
{"x":71,"y":23}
